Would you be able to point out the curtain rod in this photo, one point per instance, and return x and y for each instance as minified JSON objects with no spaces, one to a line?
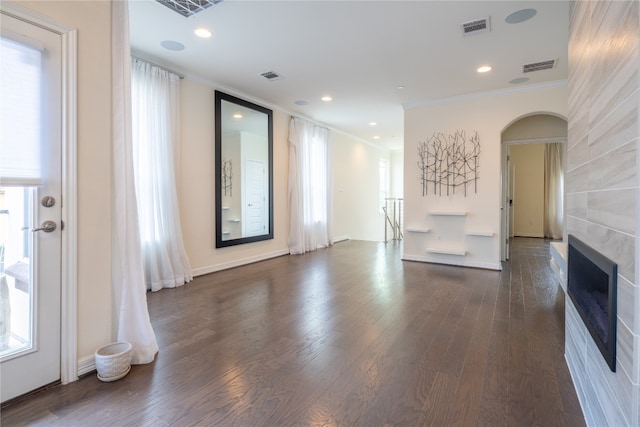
{"x":159,"y":66}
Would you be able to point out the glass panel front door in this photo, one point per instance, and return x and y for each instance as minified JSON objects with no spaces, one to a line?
{"x":30,"y":203}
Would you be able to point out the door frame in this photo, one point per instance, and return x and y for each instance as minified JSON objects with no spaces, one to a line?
{"x":69,"y":255}
{"x":504,"y":226}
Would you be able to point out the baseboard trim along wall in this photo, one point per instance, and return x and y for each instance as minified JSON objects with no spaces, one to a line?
{"x":238,"y":262}
{"x":86,"y":365}
{"x":536,"y":235}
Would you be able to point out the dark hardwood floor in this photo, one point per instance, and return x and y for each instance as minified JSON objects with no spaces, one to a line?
{"x":348,"y":336}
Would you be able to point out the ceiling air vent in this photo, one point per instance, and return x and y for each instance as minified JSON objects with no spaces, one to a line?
{"x":537,"y":66}
{"x":271,"y":75}
{"x":476,"y":26}
{"x":188,"y":7}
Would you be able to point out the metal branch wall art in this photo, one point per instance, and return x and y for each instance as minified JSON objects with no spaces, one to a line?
{"x":227,"y":177}
{"x":446,"y":163}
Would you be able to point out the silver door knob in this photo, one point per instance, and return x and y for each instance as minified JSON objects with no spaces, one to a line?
{"x":47,"y":227}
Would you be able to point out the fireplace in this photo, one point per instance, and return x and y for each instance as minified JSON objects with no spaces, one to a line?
{"x":592,"y":286}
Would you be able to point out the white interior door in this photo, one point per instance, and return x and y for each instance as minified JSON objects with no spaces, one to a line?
{"x":30,"y":207}
{"x":255,"y":221}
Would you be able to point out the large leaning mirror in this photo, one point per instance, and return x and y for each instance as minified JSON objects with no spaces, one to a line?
{"x":244,"y":171}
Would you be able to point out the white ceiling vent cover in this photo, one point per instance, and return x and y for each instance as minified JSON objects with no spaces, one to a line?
{"x":271,"y":75}
{"x":187,"y":8}
{"x":537,"y":66}
{"x":477,"y":26}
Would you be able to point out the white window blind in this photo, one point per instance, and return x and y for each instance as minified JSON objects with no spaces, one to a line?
{"x":20,"y":109}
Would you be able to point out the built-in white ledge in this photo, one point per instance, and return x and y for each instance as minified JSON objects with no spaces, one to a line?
{"x":479,"y":233}
{"x":417,"y":230}
{"x":457,"y":252}
{"x":558,"y":262}
{"x":448,"y":213}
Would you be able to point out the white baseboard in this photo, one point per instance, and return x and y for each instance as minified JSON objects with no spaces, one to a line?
{"x":341,"y":238}
{"x":86,"y":365}
{"x":537,"y":235}
{"x":238,"y":262}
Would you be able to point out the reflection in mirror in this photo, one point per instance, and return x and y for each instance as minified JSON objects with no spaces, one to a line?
{"x":244,"y":176}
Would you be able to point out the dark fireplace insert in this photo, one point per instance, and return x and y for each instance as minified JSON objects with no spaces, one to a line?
{"x":592,"y":286}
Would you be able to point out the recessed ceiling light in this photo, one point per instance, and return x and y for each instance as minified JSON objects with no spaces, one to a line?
{"x":237,"y":116}
{"x":519,"y":80}
{"x":520,"y":16}
{"x":203,"y":32}
{"x":326,"y":98}
{"x":172,"y":45}
{"x":376,"y":137}
{"x":372,"y":123}
{"x":484,"y":69}
{"x":400,"y":87}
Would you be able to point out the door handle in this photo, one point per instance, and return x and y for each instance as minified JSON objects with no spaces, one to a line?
{"x":47,"y":227}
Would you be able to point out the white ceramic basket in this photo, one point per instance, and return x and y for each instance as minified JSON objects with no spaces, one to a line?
{"x":113,"y":361}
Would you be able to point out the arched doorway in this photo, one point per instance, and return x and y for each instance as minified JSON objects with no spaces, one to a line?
{"x":535,"y":188}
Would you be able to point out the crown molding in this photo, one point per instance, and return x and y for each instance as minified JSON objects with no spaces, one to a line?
{"x":487,"y":94}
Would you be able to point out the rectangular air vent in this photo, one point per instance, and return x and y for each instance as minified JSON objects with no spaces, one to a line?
{"x":476,"y":26}
{"x":271,"y":75}
{"x":188,"y":7}
{"x":537,"y":66}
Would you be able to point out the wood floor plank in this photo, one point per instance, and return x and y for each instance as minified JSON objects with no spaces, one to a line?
{"x":402,"y":398}
{"x":492,"y":409}
{"x":415,"y":386}
{"x":352,"y":394}
{"x":347,"y":336}
{"x":465,"y":406}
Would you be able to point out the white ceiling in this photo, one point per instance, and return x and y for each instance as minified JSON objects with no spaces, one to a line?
{"x":358,"y":52}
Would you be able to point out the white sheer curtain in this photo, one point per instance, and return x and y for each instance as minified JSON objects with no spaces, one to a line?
{"x":155,"y":109}
{"x":130,"y":294}
{"x":310,"y":200}
{"x":553,"y":190}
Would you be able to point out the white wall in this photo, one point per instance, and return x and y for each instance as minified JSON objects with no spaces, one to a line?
{"x":397,"y":174}
{"x":231,"y":148}
{"x":528,"y":195}
{"x":93,"y":21}
{"x":489,"y":116}
{"x":357,"y":213}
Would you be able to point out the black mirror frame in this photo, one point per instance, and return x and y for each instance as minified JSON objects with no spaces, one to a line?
{"x":219,"y":97}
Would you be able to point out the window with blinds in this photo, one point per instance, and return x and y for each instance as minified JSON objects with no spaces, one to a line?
{"x":20,"y":114}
